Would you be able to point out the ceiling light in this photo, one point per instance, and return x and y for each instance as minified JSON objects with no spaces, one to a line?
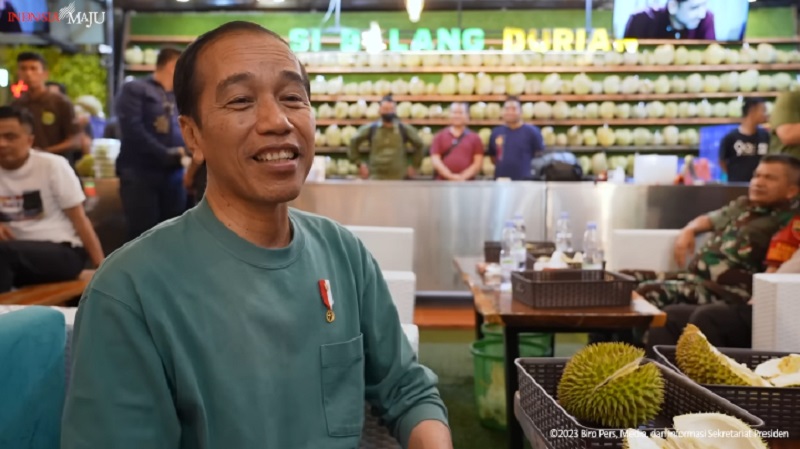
{"x":414,"y":8}
{"x":182,"y":1}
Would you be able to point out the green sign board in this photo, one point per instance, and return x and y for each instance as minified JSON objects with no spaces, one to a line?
{"x":425,"y":39}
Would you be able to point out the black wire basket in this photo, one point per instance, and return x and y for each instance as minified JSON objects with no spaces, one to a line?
{"x":538,"y":386}
{"x":778,"y":407}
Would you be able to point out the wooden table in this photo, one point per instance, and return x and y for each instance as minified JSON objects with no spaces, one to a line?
{"x":495,"y":307}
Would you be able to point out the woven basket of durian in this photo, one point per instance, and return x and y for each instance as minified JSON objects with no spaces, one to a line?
{"x":766,"y":384}
{"x":608,"y":395}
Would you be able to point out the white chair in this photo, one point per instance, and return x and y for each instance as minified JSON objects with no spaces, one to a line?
{"x":776,"y":305}
{"x":392,"y":248}
{"x":644,"y":249}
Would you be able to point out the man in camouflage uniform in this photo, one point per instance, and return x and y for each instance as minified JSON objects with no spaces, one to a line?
{"x":723,"y":269}
{"x":719,"y":277}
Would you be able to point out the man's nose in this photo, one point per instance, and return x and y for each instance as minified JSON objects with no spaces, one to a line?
{"x":271,"y":118}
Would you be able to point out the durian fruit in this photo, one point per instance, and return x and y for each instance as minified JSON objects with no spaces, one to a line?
{"x":716,"y":430}
{"x":782,"y":372}
{"x":426,"y":167}
{"x":607,"y":384}
{"x":589,"y":138}
{"x":485,"y":134}
{"x":698,"y":431}
{"x":548,"y":136}
{"x":704,"y":364}
{"x":527,"y":111}
{"x":605,"y":137}
{"x":574,"y":137}
{"x":488,"y":167}
{"x":636,"y":439}
{"x":592,"y":110}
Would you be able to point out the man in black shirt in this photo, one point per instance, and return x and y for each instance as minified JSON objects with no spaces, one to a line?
{"x":741,"y":149}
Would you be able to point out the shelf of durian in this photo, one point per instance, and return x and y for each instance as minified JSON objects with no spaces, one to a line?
{"x":603,"y":139}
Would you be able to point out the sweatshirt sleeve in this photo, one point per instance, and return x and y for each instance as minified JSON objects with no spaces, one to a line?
{"x":402,"y":391}
{"x":119,"y":396}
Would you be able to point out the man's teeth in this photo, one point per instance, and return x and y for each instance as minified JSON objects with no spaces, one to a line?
{"x":275,"y":156}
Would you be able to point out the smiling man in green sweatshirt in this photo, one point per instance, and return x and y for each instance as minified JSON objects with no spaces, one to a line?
{"x":244,"y":324}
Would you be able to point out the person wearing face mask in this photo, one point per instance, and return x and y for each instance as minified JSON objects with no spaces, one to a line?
{"x":679,"y":19}
{"x":389,"y":140}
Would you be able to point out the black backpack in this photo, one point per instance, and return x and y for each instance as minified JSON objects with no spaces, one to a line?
{"x":562,"y":171}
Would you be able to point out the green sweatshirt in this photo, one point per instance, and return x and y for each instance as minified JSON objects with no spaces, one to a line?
{"x":191,"y":337}
{"x":786,"y":111}
{"x":388,"y":159}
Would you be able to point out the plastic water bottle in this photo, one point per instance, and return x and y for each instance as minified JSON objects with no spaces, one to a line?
{"x":563,"y":234}
{"x":520,"y":254}
{"x":508,"y":261}
{"x":592,"y":248}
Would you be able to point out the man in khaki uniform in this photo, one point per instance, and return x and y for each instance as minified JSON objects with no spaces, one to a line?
{"x":53,"y":114}
{"x":785,"y":124}
{"x":388,"y":140}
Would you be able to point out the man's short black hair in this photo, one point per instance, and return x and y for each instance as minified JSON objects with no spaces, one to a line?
{"x":61,"y":88}
{"x":750,"y":103}
{"x":513,"y":98}
{"x":22,"y":115}
{"x":791,"y":163}
{"x":167,"y":55}
{"x":186,"y":79}
{"x":31,"y":56}
{"x":387,"y":99}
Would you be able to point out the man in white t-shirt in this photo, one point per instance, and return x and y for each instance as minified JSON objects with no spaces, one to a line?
{"x":45,"y":235}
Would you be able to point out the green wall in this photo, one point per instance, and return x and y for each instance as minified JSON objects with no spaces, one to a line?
{"x":763,"y":22}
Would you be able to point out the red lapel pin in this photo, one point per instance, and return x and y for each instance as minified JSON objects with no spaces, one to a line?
{"x":327,"y":298}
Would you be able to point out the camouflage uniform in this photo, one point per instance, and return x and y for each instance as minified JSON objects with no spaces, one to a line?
{"x":723,"y":268}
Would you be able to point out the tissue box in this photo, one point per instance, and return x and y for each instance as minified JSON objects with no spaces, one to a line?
{"x":776,"y":305}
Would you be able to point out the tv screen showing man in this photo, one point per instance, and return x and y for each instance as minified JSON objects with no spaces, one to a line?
{"x":723,"y":20}
{"x":24,"y":16}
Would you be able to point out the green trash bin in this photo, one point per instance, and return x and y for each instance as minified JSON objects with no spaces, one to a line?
{"x":490,"y":386}
{"x":544,"y":341}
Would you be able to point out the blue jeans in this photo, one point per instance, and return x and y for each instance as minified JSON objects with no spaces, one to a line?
{"x":150,"y":197}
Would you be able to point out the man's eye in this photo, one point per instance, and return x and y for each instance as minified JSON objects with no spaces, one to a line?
{"x":294,"y":98}
{"x":239,"y":101}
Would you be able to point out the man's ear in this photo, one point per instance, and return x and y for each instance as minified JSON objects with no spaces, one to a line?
{"x":191,"y":136}
{"x":794,"y":191}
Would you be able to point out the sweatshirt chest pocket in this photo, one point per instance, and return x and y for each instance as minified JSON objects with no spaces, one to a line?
{"x":343,"y":386}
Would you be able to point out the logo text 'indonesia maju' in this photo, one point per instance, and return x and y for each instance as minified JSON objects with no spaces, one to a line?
{"x":66,"y":14}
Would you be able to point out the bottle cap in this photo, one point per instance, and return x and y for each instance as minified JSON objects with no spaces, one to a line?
{"x":591,"y":225}
{"x":564,"y":214}
{"x":509,"y":224}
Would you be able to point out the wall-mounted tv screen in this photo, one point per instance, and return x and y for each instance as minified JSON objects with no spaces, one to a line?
{"x":24,"y":16}
{"x":716,"y":20}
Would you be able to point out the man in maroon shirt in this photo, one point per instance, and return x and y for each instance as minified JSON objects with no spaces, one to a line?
{"x":679,"y":19}
{"x":457,"y":152}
